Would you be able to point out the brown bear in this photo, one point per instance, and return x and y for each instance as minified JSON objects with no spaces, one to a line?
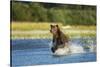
{"x":60,"y":40}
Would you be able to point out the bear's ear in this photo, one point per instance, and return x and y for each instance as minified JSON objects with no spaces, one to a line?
{"x":56,"y":25}
{"x":50,"y":25}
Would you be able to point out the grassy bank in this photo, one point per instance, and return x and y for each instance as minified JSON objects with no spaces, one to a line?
{"x":24,"y":26}
{"x":41,"y":30}
{"x":48,"y":35}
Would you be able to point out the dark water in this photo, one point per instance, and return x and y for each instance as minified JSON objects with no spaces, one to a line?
{"x":27,"y":52}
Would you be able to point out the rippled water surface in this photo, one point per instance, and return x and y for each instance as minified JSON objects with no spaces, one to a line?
{"x":27,"y":52}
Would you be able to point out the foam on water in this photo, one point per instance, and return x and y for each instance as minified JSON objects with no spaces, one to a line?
{"x":92,"y":48}
{"x":76,"y":48}
{"x":71,"y":49}
{"x":62,"y":51}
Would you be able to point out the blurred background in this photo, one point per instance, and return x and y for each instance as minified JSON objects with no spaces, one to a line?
{"x":33,"y":19}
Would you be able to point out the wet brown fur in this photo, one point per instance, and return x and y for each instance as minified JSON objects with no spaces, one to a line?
{"x":59,"y":39}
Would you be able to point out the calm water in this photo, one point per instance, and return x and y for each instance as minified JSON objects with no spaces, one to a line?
{"x":27,"y":52}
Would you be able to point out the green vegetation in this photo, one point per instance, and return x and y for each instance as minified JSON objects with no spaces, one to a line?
{"x":24,"y":26}
{"x":33,"y":19}
{"x":53,"y":12}
{"x":41,"y":30}
{"x":48,"y":35}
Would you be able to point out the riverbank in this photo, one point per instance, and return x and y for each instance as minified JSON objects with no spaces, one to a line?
{"x":41,"y":30}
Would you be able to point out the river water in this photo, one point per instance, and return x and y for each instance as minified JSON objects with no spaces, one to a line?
{"x":29,"y":52}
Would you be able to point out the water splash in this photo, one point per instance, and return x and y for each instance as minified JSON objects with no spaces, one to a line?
{"x":73,"y":48}
{"x":91,"y":48}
